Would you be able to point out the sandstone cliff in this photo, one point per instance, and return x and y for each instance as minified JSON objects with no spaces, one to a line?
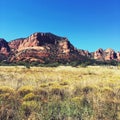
{"x":43,"y":47}
{"x":4,"y":47}
{"x":106,"y":55}
{"x":47,"y":47}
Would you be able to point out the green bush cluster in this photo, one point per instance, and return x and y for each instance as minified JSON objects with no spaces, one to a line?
{"x":73,"y":63}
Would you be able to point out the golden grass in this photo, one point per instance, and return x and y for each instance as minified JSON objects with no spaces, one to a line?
{"x":95,"y":88}
{"x":16,"y":77}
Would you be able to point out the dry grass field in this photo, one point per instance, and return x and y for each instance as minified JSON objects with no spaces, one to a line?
{"x":59,"y":93}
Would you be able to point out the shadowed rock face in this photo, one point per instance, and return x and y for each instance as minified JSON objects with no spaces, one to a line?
{"x":99,"y":54}
{"x":43,"y":47}
{"x":4,"y":48}
{"x":110,"y":54}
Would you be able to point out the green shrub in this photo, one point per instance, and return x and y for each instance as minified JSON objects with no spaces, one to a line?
{"x":75,"y":63}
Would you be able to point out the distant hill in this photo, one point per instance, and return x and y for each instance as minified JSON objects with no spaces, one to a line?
{"x":47,"y":47}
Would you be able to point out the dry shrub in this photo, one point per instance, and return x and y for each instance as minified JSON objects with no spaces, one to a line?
{"x":25,"y":90}
{"x":87,"y":89}
{"x":6,"y":89}
{"x":29,"y":97}
{"x":6,"y":113}
{"x":29,"y":106}
{"x":108,"y":92}
{"x":64,"y":83}
{"x":59,"y":91}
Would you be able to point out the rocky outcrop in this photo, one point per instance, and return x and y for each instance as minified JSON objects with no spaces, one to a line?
{"x":110,"y":54}
{"x":43,"y":47}
{"x":4,"y":50}
{"x":118,"y":56}
{"x":47,"y":47}
{"x":99,"y":54}
{"x":14,"y":44}
{"x":106,"y":55}
{"x":85,"y":53}
{"x":4,"y":47}
{"x":34,"y":40}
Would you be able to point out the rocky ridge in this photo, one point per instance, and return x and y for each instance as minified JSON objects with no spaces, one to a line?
{"x":106,"y":55}
{"x":40,"y":47}
{"x":47,"y":47}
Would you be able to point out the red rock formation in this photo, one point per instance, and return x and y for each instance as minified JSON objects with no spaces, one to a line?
{"x":85,"y":53}
{"x":14,"y":45}
{"x":110,"y":54}
{"x":118,"y":56}
{"x":41,"y":46}
{"x":4,"y":48}
{"x":64,"y":47}
{"x":99,"y":54}
{"x":106,"y":55}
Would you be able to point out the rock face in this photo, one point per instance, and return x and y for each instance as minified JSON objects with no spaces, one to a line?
{"x":110,"y":54}
{"x":34,"y":40}
{"x":118,"y":56}
{"x":4,"y":48}
{"x":43,"y":47}
{"x":47,"y":47}
{"x":85,"y":53}
{"x":14,"y":45}
{"x":99,"y":54}
{"x":106,"y":55}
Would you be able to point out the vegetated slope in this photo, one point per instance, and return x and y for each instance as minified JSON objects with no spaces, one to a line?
{"x":47,"y":48}
{"x":40,"y":93}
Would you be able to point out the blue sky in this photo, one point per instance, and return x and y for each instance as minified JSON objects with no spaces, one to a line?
{"x":88,"y":24}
